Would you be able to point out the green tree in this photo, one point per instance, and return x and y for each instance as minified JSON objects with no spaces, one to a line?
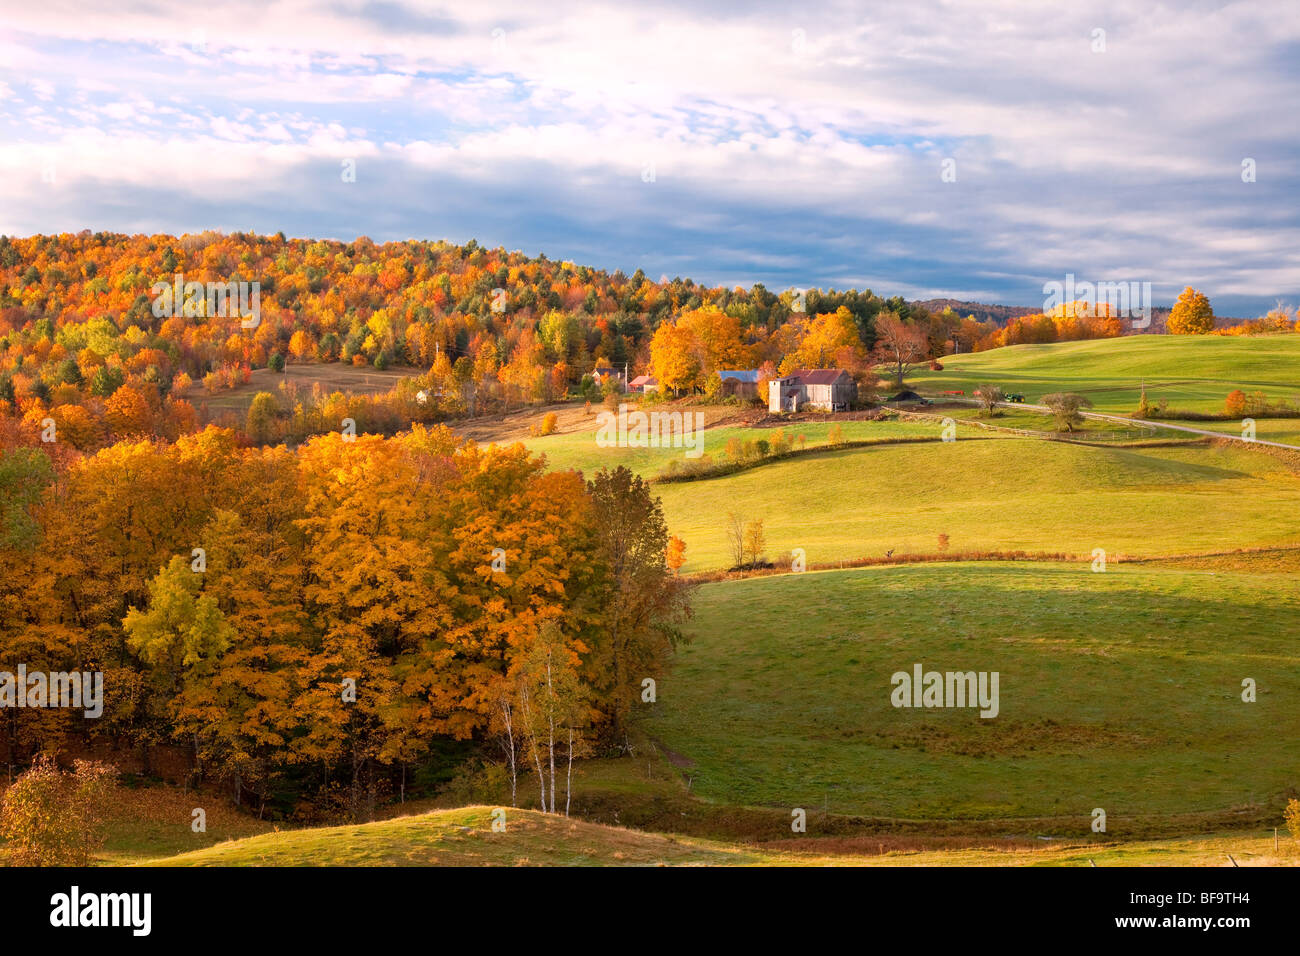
{"x":262,"y":415}
{"x":645,"y":601}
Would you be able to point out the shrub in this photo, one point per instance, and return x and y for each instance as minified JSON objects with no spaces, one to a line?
{"x":549,"y":423}
{"x":1234,"y":406}
{"x":52,"y":818}
{"x":276,"y":362}
{"x":1291,"y":815}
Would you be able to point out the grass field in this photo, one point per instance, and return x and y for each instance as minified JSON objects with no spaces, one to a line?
{"x":1191,"y":372}
{"x":464,"y":837}
{"x":334,"y":377}
{"x":1000,"y":495}
{"x":1118,"y":690}
{"x":578,"y":449}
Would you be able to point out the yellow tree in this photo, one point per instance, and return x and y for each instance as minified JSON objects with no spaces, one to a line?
{"x":676,"y":554}
{"x":674,"y":358}
{"x":1191,"y":314}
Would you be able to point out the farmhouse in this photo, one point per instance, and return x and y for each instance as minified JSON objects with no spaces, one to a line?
{"x":824,"y":389}
{"x":740,"y":383}
{"x":644,"y":383}
{"x":602,"y":373}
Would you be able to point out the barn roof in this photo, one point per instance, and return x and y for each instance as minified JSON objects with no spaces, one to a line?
{"x":818,"y":376}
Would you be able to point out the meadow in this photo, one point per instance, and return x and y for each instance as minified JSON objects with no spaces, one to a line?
{"x":995,"y":495}
{"x":1120,"y":690}
{"x":1190,"y":372}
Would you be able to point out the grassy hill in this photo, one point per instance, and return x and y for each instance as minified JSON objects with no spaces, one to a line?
{"x":1119,"y":690}
{"x":578,"y":448}
{"x":464,"y":837}
{"x":1012,"y":494}
{"x":1191,"y":372}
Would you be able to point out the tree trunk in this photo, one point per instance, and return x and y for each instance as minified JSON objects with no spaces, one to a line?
{"x":532,"y":745}
{"x":568,"y":783}
{"x":551,"y":723}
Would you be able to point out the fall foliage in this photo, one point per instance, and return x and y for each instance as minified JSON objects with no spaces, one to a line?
{"x":336,"y":614}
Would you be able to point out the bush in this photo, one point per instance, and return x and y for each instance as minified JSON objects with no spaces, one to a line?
{"x":276,"y":362}
{"x":936,"y":366}
{"x":1291,"y":816}
{"x":52,"y":818}
{"x":549,"y":423}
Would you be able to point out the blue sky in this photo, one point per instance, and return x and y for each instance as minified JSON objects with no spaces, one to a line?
{"x":790,"y":144}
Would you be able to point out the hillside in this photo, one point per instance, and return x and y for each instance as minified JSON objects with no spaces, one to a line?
{"x":1119,"y":690}
{"x":993,"y":495}
{"x":464,"y":837}
{"x":1191,"y":372}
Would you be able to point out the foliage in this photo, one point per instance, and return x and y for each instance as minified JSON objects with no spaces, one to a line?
{"x":53,"y":818}
{"x":1191,"y":314}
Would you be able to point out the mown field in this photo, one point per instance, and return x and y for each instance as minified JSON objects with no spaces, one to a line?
{"x":333,"y":377}
{"x":579,"y":449}
{"x":995,"y":495}
{"x":1190,"y":372}
{"x":1119,"y":690}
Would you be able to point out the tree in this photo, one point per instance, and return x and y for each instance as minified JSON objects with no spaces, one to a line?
{"x":826,"y":336}
{"x":989,"y":396}
{"x":25,"y":473}
{"x":128,"y":413}
{"x":262,"y":415}
{"x":1191,"y":314}
{"x":900,"y":345}
{"x":50,"y":818}
{"x":755,"y":540}
{"x":1065,"y":408}
{"x":552,"y":702}
{"x":674,"y":358}
{"x":644,"y":604}
{"x":736,"y":538}
{"x":676,"y":554}
{"x":1234,"y":406}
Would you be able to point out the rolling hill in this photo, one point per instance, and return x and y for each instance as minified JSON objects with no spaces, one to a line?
{"x":1191,"y":372}
{"x":1120,"y":690}
{"x":464,"y":837}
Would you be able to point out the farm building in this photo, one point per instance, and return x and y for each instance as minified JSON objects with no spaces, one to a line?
{"x":644,"y":383}
{"x":741,"y":383}
{"x":824,"y":389}
{"x":603,"y":373}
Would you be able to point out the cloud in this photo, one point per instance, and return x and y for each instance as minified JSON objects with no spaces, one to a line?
{"x":793,"y":146}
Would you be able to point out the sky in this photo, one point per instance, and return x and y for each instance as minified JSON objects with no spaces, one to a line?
{"x":922,"y":148}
